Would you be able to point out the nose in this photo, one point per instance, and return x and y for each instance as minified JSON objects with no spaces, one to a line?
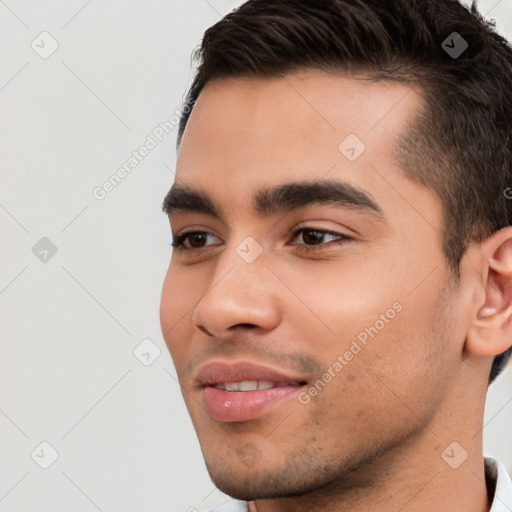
{"x":240,"y":295}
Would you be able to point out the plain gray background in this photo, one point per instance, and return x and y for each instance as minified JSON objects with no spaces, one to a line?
{"x":84,"y":368}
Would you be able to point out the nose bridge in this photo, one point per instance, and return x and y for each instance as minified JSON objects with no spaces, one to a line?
{"x":242,"y":265}
{"x":240,"y":291}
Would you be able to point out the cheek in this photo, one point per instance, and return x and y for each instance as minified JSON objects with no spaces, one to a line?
{"x":167,"y":304}
{"x":389,"y":387}
{"x":389,"y":331}
{"x":173,"y":313}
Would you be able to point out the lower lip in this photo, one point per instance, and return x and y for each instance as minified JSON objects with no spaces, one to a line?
{"x":244,"y":405}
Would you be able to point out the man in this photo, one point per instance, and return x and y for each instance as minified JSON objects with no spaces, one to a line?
{"x":339,"y":294}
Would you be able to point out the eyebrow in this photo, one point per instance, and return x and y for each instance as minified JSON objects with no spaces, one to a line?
{"x":279,"y":199}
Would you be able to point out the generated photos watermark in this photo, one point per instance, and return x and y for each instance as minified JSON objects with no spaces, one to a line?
{"x":356,"y":346}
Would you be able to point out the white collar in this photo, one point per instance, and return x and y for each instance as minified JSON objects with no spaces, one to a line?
{"x":502,"y":500}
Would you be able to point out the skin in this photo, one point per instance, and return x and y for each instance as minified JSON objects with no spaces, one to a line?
{"x":373,"y":438}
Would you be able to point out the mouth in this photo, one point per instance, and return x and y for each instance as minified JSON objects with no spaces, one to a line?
{"x":253,"y":385}
{"x":244,"y":391}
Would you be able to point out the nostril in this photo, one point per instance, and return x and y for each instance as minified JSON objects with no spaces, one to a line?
{"x":252,"y":326}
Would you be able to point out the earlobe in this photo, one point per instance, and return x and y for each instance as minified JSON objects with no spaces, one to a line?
{"x":487,"y":311}
{"x":491,"y":331}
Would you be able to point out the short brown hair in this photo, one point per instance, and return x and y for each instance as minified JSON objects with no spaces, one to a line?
{"x":460,"y":144}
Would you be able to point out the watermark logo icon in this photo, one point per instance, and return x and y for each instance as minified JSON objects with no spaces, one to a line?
{"x":352,"y":147}
{"x":44,"y":45}
{"x":44,"y":250}
{"x":44,"y":455}
{"x":454,"y":455}
{"x":249,"y":454}
{"x":454,"y":45}
{"x":147,"y":352}
{"x":249,"y":249}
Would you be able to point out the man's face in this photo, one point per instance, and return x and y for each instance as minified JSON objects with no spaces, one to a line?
{"x":351,"y":330}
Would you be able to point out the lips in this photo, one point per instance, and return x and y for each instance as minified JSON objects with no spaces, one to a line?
{"x":243,"y":391}
{"x":222,"y":373}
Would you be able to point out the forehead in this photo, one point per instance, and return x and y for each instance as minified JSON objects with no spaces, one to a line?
{"x":246,"y":133}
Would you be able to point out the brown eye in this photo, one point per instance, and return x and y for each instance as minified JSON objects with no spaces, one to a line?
{"x":313,"y":238}
{"x":196,"y":240}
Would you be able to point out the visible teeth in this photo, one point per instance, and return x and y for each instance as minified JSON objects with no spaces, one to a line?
{"x":249,"y":385}
{"x":265,"y":384}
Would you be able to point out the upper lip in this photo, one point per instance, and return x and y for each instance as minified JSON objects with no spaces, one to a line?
{"x":222,"y":372}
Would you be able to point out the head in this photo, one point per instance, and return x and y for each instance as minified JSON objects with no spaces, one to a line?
{"x":370,"y":124}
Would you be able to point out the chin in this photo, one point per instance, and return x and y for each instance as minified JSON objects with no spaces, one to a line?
{"x":248,"y":483}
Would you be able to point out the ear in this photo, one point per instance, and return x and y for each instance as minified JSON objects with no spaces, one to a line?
{"x":490,"y":333}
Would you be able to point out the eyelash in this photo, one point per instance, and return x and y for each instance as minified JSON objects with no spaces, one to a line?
{"x":178,"y":241}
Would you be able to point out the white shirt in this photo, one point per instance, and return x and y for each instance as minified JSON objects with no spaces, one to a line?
{"x":494,"y":469}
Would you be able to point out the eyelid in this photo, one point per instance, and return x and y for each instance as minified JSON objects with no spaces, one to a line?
{"x":349,"y":233}
{"x":195,"y":229}
{"x":179,"y":240}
